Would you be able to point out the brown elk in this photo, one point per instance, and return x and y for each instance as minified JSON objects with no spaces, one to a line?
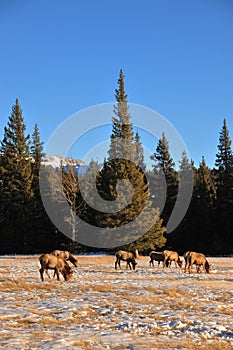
{"x":199,"y":260}
{"x":155,"y":256}
{"x":170,"y":256}
{"x":186,"y":255}
{"x":129,"y":257}
{"x":67,"y":256}
{"x":58,"y":264}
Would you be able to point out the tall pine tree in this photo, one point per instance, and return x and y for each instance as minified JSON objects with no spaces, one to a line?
{"x":36,"y":152}
{"x":16,"y":181}
{"x":120,"y":166}
{"x":224,"y":185}
{"x":165,"y":166}
{"x":139,"y":153}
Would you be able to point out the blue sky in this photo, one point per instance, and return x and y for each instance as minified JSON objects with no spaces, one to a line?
{"x":59,"y":57}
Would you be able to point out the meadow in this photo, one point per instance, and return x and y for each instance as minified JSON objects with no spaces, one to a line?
{"x":104,"y":308}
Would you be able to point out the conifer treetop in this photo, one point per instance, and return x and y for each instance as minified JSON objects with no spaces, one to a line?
{"x":224,"y":157}
{"x":122,"y":137}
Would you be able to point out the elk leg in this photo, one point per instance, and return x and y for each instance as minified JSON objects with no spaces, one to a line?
{"x":128,"y":264}
{"x":41,"y":274}
{"x":116,"y":264}
{"x":47,"y":273}
{"x":164,"y":263}
{"x":57,"y":273}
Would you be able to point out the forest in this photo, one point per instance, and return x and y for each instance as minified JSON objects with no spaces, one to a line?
{"x":26,"y":227}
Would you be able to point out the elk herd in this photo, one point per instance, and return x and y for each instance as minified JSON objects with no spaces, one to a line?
{"x":58,"y":261}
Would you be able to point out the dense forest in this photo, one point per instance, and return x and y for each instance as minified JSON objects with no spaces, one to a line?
{"x":26,"y":228}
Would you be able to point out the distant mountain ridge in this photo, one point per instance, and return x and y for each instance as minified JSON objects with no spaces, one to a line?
{"x":56,"y":161}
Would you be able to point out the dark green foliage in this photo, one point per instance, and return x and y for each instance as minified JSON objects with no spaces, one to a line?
{"x":16,"y":193}
{"x":122,"y":178}
{"x":164,"y":166}
{"x":139,"y":153}
{"x":196,"y":231}
{"x":223,"y":176}
{"x":25,"y":226}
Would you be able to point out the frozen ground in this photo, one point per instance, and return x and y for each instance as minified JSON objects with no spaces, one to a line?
{"x":100,"y":308}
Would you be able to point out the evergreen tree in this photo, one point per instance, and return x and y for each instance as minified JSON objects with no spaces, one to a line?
{"x":162,"y":158}
{"x":122,"y":137}
{"x":205,"y":185}
{"x":153,"y":239}
{"x":224,"y":166}
{"x":224,"y":157}
{"x":180,"y":238}
{"x":224,"y":185}
{"x":16,"y":180}
{"x":205,"y":198}
{"x":36,"y":152}
{"x":121,"y":180}
{"x":164,"y":166}
{"x":37,"y":213}
{"x":200,"y":225}
{"x":139,"y":153}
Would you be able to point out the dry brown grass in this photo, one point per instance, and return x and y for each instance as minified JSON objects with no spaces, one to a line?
{"x":212,"y":345}
{"x":97,"y":287}
{"x":13,"y":285}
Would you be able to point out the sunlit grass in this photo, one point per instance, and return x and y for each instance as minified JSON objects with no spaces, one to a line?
{"x":98,"y":298}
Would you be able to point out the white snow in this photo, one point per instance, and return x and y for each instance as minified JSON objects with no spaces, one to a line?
{"x":55,"y":161}
{"x":104,"y":308}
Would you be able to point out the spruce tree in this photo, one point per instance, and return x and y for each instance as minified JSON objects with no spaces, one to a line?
{"x":224,"y":186}
{"x":37,"y":212}
{"x":165,"y":166}
{"x":16,"y":180}
{"x":196,"y":231}
{"x":139,"y":153}
{"x":205,"y":216}
{"x":122,"y":138}
{"x":120,"y":166}
{"x":224,"y":157}
{"x":205,"y":184}
{"x":181,"y":237}
{"x":224,"y":166}
{"x":36,"y":152}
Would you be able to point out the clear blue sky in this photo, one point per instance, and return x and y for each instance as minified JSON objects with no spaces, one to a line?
{"x":59,"y":57}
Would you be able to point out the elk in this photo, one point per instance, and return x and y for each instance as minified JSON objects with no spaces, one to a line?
{"x":129,"y":257}
{"x":58,"y":264}
{"x":199,"y":260}
{"x":156,"y":256}
{"x":67,"y":256}
{"x":170,"y":256}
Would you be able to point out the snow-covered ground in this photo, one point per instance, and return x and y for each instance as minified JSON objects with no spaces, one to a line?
{"x":101,"y":308}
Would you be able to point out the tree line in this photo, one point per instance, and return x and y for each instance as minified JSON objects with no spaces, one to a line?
{"x":25,"y":226}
